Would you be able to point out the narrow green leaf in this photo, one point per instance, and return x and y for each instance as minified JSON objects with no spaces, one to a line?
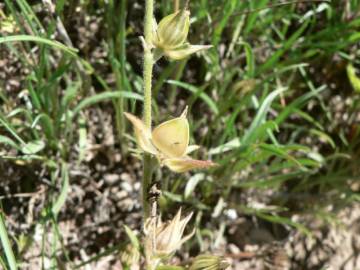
{"x":105,"y":96}
{"x":260,"y":117}
{"x":8,"y":141}
{"x":196,"y":90}
{"x":52,"y":43}
{"x":192,"y":183}
{"x":10,"y":257}
{"x":252,"y":18}
{"x":60,"y":201}
{"x":227,"y":11}
{"x":172,"y":196}
{"x":353,"y":78}
{"x":250,"y":61}
{"x":280,"y":152}
{"x":70,"y":94}
{"x":228,"y":146}
{"x":323,"y":136}
{"x":272,"y":61}
{"x":284,"y":220}
{"x":296,"y":104}
{"x":133,"y":238}
{"x":33,"y":147}
{"x":10,"y":129}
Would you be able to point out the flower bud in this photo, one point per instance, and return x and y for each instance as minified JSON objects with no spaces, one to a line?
{"x":209,"y":262}
{"x":173,"y":30}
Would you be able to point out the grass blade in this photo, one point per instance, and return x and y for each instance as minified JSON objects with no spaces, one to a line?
{"x":6,"y":244}
{"x":52,"y":43}
{"x":261,"y":115}
{"x":104,"y":96}
{"x":60,"y":201}
{"x":196,"y":91}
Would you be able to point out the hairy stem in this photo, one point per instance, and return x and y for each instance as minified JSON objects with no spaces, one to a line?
{"x":148,"y":70}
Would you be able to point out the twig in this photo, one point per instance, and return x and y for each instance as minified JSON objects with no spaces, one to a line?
{"x":280,"y":5}
{"x":23,"y":195}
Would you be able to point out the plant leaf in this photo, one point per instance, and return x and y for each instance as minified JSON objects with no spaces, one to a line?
{"x":60,"y":201}
{"x":52,"y":43}
{"x":33,"y":147}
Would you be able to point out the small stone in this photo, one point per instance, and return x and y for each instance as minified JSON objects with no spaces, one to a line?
{"x":111,"y":179}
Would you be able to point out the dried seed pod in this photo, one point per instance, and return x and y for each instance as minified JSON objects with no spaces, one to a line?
{"x":168,"y":236}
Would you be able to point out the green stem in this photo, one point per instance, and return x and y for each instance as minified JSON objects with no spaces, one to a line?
{"x":148,"y":70}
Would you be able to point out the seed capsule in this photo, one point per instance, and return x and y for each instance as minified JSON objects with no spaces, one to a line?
{"x":170,"y":37}
{"x":173,"y":30}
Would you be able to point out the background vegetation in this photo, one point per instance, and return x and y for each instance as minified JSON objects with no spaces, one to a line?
{"x":275,"y":102}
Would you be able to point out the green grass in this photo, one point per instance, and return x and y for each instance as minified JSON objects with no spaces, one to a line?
{"x":261,"y":105}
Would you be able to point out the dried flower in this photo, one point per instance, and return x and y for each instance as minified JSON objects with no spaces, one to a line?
{"x":169,"y":142}
{"x":208,"y":262}
{"x":169,"y":37}
{"x":168,"y":236}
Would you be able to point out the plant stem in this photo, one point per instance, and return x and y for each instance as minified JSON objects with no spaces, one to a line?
{"x":176,"y":5}
{"x":148,"y":70}
{"x":148,"y":211}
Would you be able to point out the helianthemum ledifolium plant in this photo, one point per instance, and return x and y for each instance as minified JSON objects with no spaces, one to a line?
{"x":168,"y":142}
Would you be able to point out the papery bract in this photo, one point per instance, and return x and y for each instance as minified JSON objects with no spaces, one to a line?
{"x":142,"y":134}
{"x":185,"y":51}
{"x":186,"y":164}
{"x":172,"y":137}
{"x":169,"y":142}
